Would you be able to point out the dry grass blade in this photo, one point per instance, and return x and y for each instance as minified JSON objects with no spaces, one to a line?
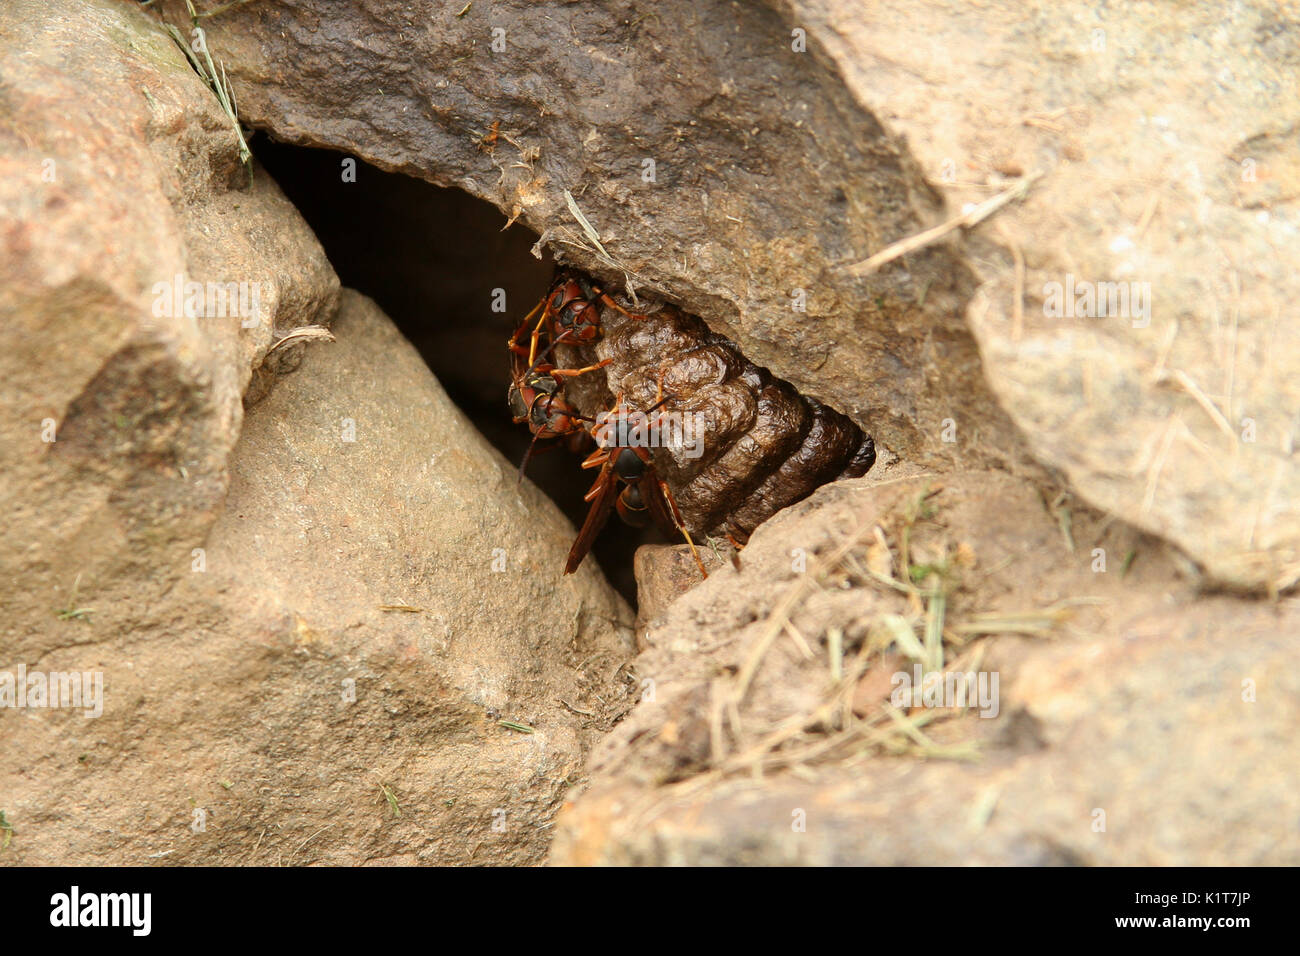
{"x":781,"y":614}
{"x":930,"y":236}
{"x":305,"y":333}
{"x":936,"y":610}
{"x":587,"y":227}
{"x":1021,"y":622}
{"x":910,"y":727}
{"x":216,"y":81}
{"x":594,"y":237}
{"x":1203,"y":400}
{"x":835,"y":652}
{"x":898,"y":631}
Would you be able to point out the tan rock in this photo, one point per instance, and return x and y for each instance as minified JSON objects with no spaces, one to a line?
{"x":1168,"y":189}
{"x":332,"y":630}
{"x":329,"y":683}
{"x":1132,"y":722}
{"x":768,"y":177}
{"x":1154,"y":163}
{"x":121,"y":194}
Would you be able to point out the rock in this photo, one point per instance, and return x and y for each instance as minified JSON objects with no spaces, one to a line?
{"x":1166,"y":189}
{"x":665,"y":572}
{"x":120,"y":185}
{"x":332,"y":687}
{"x":333,"y":629}
{"x":767,"y":176}
{"x":1125,"y":708}
{"x":776,"y":171}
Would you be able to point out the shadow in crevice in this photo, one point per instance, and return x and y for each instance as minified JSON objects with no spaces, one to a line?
{"x":433,"y":259}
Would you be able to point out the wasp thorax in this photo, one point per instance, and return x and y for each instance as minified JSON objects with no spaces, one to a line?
{"x":623,"y":429}
{"x":581,"y":320}
{"x":541,"y":382}
{"x":629,"y":465}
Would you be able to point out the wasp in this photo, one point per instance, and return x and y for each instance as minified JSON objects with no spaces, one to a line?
{"x":627,"y":483}
{"x":573,"y":311}
{"x":536,"y":394}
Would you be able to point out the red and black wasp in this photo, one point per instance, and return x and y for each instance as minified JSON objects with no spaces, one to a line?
{"x":627,"y":482}
{"x":570,"y":315}
{"x":536,"y":394}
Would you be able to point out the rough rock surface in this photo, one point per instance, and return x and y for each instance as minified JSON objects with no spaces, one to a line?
{"x":767,"y":176}
{"x":308,"y":620}
{"x":325,"y":657}
{"x":369,"y":655}
{"x":1168,"y":148}
{"x":1157,"y":155}
{"x":119,"y":172}
{"x":1134,"y":722}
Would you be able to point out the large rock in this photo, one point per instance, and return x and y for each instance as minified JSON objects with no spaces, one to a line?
{"x":1169,"y":161}
{"x":308,"y":623}
{"x":1165,"y":159}
{"x":119,"y":176}
{"x":328,"y":683}
{"x":767,"y":176}
{"x":1133,"y":722}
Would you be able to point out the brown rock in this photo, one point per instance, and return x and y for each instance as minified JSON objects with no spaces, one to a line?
{"x":665,"y":572}
{"x":1178,"y":414}
{"x":777,"y":171}
{"x":324,"y":691}
{"x":121,"y":193}
{"x":1133,"y":722}
{"x":768,"y":177}
{"x":308,"y":624}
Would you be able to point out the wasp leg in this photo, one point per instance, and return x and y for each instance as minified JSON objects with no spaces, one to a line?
{"x":614,"y":305}
{"x":681,"y":525}
{"x":513,"y":341}
{"x":545,"y":306}
{"x":737,"y":547}
{"x":596,"y":459}
{"x":571,"y":372}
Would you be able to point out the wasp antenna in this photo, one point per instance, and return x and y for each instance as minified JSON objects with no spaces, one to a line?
{"x":660,"y":403}
{"x":559,"y":340}
{"x":523,"y":465}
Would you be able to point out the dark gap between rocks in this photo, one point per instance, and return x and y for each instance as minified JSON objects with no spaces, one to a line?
{"x":431,"y":258}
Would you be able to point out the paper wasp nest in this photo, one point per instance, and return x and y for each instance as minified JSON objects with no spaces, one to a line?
{"x":734,"y":443}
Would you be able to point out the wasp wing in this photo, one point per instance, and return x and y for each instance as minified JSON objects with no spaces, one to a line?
{"x":662,"y":510}
{"x":602,"y":502}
